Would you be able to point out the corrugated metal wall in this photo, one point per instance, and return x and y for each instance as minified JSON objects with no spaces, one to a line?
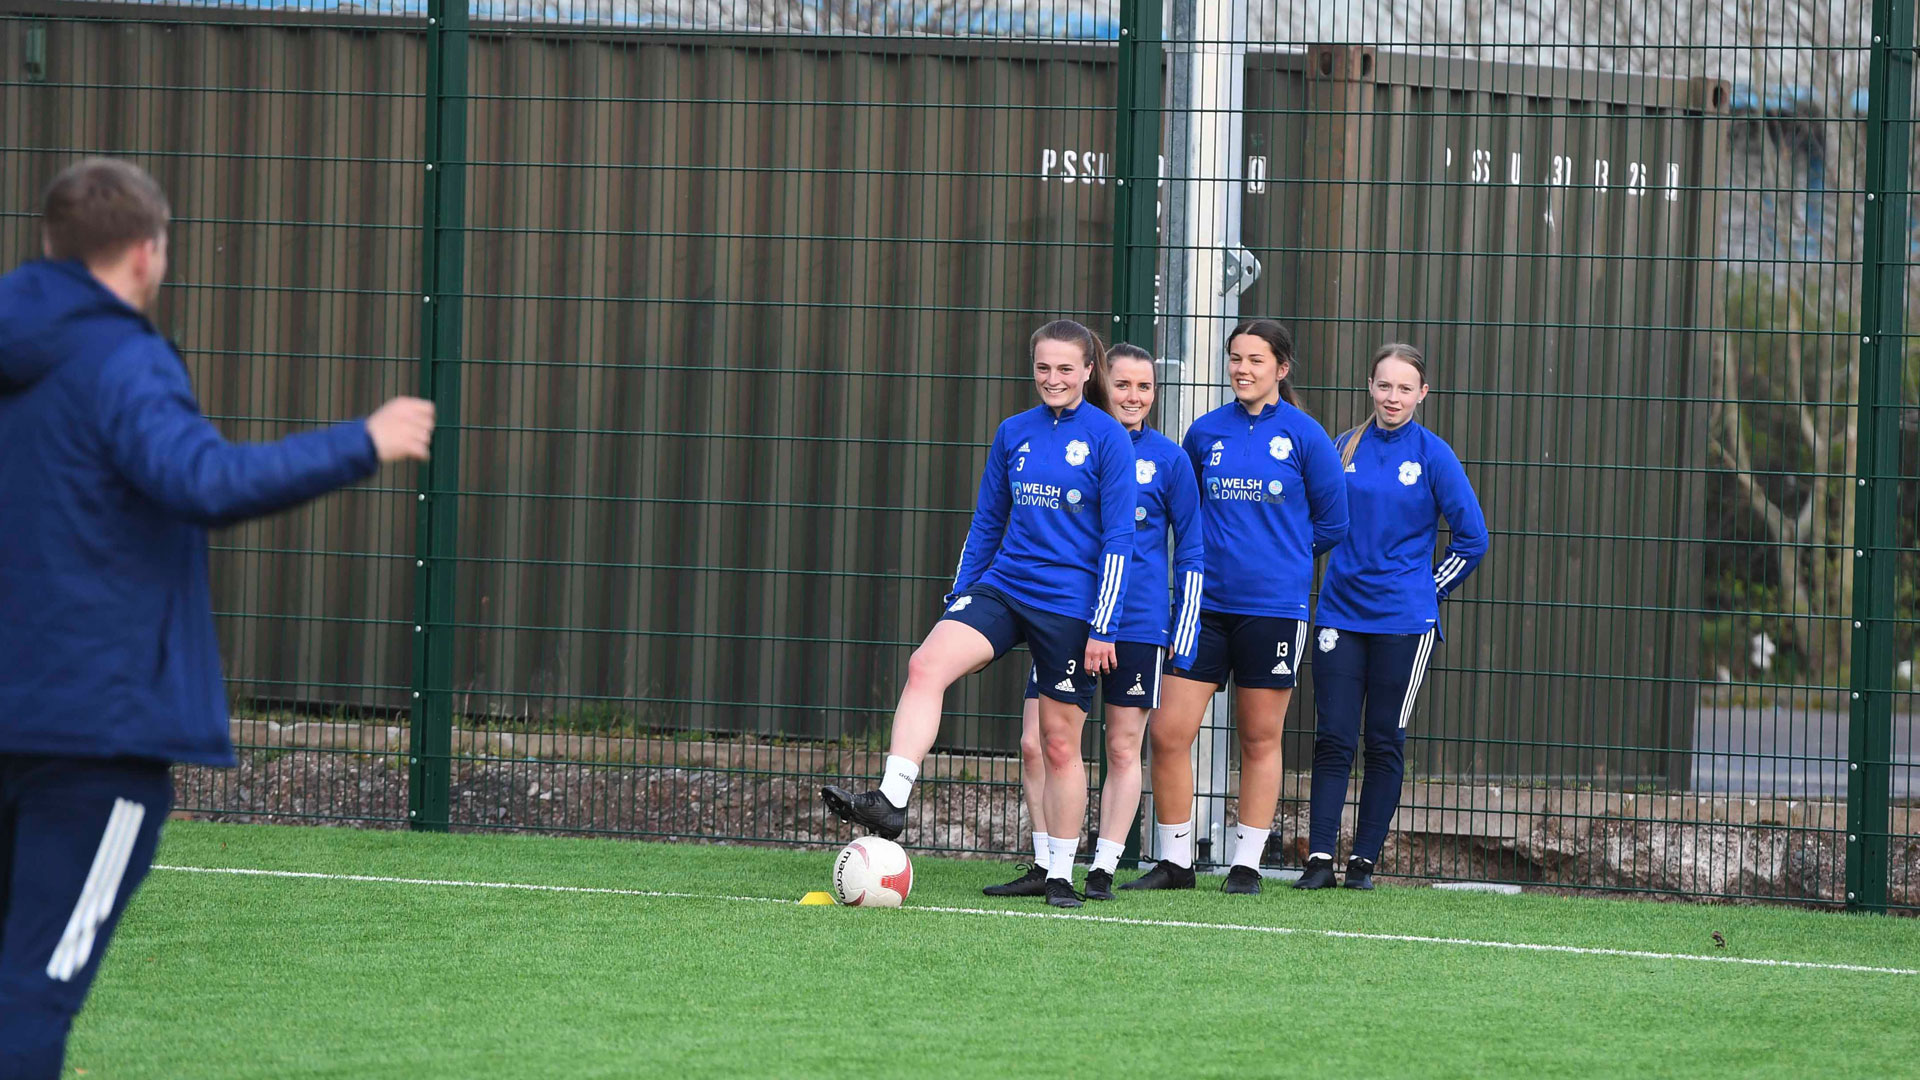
{"x":1543,"y":235}
{"x":740,"y":317}
{"x":290,"y":156}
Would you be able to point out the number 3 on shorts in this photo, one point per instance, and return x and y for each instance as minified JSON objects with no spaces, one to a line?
{"x":1072,"y":666}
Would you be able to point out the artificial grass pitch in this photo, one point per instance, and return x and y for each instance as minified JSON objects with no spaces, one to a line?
{"x":222,"y":975}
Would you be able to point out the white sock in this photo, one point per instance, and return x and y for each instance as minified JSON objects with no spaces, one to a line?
{"x":1248,"y":845}
{"x":1106,"y":855}
{"x":1040,"y":849}
{"x":898,"y":785}
{"x":1319,"y":855}
{"x":1174,"y":843}
{"x":1060,"y":857}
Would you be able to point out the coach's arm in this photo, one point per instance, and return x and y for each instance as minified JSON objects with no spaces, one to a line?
{"x":160,"y":444}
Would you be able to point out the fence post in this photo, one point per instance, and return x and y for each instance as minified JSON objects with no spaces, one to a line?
{"x":442,"y":256}
{"x":1136,"y":197}
{"x":1883,"y":288}
{"x":1136,"y":221}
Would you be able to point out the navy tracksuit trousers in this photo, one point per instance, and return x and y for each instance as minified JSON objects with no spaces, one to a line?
{"x":77,"y":837}
{"x":1371,"y":681}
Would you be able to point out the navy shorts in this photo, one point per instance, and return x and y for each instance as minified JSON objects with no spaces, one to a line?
{"x":1134,"y":683}
{"x":1058,"y":642}
{"x":1260,"y":652}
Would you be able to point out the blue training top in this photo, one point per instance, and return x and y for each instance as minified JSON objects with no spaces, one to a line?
{"x":1168,"y":498}
{"x":109,"y":480}
{"x":1382,"y":580}
{"x":1272,"y":499}
{"x":1054,"y":525}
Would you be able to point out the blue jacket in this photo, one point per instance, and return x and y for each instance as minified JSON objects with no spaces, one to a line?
{"x":1054,"y":525}
{"x":109,"y":479}
{"x":1271,"y":500}
{"x":1168,"y":498}
{"x":1382,"y":580}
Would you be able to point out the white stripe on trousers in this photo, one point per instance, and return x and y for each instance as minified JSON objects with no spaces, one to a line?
{"x":1299,"y":644}
{"x":1419,"y":673}
{"x":99,"y":892}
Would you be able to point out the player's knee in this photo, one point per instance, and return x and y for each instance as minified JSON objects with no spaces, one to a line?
{"x":1033,"y":750}
{"x":1166,"y":742}
{"x":1259,"y":744}
{"x":925,"y":670}
{"x":1331,"y":740}
{"x":1384,"y":746}
{"x":1122,"y":754}
{"x":1062,"y":750}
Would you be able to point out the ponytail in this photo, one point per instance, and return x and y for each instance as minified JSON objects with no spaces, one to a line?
{"x":1351,"y":442}
{"x":1099,"y":390}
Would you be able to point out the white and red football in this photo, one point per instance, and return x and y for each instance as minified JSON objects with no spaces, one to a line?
{"x":871,"y":872}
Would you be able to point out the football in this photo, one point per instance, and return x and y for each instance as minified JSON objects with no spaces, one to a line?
{"x":871,"y":872}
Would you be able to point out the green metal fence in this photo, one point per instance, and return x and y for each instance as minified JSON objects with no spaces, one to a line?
{"x":720,"y":310}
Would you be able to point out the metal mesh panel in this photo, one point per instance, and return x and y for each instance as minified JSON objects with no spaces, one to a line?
{"x":721,"y":304}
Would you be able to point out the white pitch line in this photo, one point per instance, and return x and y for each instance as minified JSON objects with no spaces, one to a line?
{"x":1172,"y":924}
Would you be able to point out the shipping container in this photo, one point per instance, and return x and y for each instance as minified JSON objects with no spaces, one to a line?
{"x":741,"y":313}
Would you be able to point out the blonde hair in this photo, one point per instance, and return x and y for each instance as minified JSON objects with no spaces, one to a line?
{"x":1392,"y":350}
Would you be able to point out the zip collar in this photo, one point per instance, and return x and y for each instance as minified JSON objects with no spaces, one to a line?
{"x":1393,"y":435}
{"x":1265,"y":411}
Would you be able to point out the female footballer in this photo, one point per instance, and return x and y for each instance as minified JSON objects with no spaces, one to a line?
{"x":1271,"y":500}
{"x":1380,"y":608}
{"x":1169,"y":500}
{"x":1045,"y":562}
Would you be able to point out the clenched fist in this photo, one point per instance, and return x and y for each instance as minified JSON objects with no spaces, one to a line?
{"x":402,"y":429}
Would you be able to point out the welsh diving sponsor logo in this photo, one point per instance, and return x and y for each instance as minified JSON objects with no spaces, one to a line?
{"x":1243,"y":489}
{"x":1140,"y":514}
{"x":1037,"y":494}
{"x":1073,"y":501}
